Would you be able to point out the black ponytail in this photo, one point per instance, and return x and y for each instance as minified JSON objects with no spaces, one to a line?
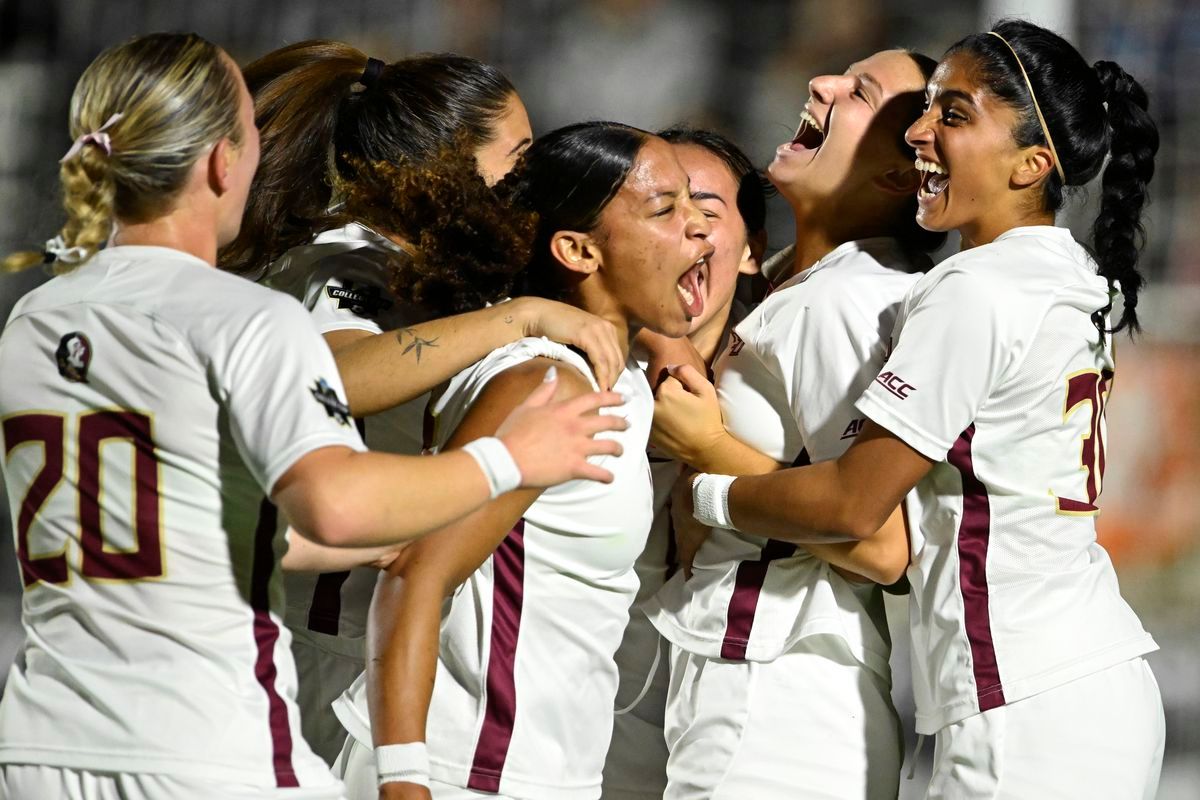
{"x":1091,"y":112}
{"x":1117,"y":234}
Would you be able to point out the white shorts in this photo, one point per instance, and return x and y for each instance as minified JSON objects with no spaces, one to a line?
{"x":636,"y":765}
{"x":355,"y":765}
{"x":39,"y":782}
{"x":322,"y":674}
{"x":1098,"y":737}
{"x":814,"y":719}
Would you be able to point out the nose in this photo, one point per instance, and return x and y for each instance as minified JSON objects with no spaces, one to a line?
{"x":698,"y":226}
{"x":921,"y":131}
{"x":824,"y":88}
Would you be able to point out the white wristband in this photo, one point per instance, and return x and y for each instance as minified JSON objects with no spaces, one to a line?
{"x":710,"y":499}
{"x":408,"y":763}
{"x":502,"y":473}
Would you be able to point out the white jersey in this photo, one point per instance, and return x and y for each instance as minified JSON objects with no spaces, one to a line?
{"x":523,"y":699}
{"x":343,"y":278}
{"x":158,"y":401}
{"x":998,"y":374}
{"x":787,"y":384}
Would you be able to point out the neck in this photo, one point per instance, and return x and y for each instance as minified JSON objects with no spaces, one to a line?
{"x":176,"y":230}
{"x":988,"y":227}
{"x":818,"y":234}
{"x":707,"y":338}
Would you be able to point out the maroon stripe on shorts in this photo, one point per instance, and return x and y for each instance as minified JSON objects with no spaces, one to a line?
{"x":747,"y":586}
{"x":973,"y":533}
{"x":508,"y":588}
{"x":266,"y":634}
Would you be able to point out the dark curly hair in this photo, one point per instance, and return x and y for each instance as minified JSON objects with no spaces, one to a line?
{"x":1092,"y":112}
{"x":465,"y":252}
{"x":402,"y":144}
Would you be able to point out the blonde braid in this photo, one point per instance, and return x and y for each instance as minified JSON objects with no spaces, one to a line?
{"x":176,"y":95}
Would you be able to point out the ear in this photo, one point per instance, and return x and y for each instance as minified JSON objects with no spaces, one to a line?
{"x":220,"y":160}
{"x":576,"y":251}
{"x":752,"y":254}
{"x":1035,"y":163}
{"x":899,"y":181}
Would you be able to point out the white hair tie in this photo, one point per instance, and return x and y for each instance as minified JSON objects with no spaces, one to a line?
{"x":57,"y":248}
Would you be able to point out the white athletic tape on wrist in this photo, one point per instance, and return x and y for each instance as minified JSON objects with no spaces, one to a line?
{"x":408,"y":763}
{"x":710,"y":499}
{"x":502,"y":473}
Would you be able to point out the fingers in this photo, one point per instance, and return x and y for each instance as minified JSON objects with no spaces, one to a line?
{"x":543,"y":393}
{"x":604,"y":447}
{"x":594,"y":401}
{"x":691,"y":378}
{"x":591,"y":472}
{"x":602,"y":344}
{"x":593,"y":424}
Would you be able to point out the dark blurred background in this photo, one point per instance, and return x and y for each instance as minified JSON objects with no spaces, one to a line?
{"x":740,"y":67}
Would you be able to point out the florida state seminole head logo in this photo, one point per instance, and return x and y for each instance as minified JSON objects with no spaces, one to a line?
{"x":74,"y":356}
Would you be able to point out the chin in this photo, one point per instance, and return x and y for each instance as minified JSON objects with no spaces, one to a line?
{"x":675,"y":328}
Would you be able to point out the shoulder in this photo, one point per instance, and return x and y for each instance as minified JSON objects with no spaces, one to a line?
{"x":520,"y":379}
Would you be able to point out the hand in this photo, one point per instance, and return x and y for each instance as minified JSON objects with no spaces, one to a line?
{"x":400,"y":790}
{"x":566,"y":324}
{"x":690,"y":535}
{"x":551,"y":441}
{"x":687,"y":415}
{"x":663,"y":351}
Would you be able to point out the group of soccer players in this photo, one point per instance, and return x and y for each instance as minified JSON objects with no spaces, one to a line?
{"x":620,"y":532}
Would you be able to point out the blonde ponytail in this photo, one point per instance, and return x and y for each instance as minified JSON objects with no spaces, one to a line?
{"x":172,"y":96}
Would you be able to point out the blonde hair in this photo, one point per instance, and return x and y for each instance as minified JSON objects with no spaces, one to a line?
{"x":177,"y":94}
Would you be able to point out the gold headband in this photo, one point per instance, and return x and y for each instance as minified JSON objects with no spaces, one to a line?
{"x":1036,"y":108}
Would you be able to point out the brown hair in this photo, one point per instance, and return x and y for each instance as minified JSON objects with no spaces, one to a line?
{"x":395,"y":153}
{"x":177,"y":94}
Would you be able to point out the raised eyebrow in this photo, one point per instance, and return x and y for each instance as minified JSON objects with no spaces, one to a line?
{"x":698,"y":196}
{"x":957,"y":94}
{"x":521,"y":145}
{"x":662,"y":193}
{"x":867,"y":77}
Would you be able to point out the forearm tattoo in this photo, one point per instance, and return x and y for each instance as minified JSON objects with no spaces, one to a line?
{"x":416,"y":344}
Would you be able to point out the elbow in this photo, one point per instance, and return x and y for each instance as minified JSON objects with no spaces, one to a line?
{"x":861,"y":524}
{"x":332,"y":521}
{"x":888,"y":569}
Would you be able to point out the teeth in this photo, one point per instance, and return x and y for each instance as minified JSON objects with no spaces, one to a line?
{"x":688,"y":297}
{"x":929,"y":166}
{"x":807,"y":118}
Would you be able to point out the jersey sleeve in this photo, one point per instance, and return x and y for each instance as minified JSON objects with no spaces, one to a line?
{"x":953,"y":342}
{"x":278,"y":383}
{"x":350,"y":301}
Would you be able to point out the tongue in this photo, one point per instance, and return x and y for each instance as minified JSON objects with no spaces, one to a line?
{"x":936,"y":183}
{"x":691,"y":282}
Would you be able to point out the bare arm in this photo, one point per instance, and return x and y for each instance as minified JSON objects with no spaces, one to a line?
{"x":305,"y":555}
{"x":343,"y":498}
{"x":406,"y":609}
{"x":852,"y":496}
{"x":383,"y":370}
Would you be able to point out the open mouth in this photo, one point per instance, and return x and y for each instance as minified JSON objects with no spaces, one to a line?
{"x":691,"y":287}
{"x":934,"y":179}
{"x":810,"y":135}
